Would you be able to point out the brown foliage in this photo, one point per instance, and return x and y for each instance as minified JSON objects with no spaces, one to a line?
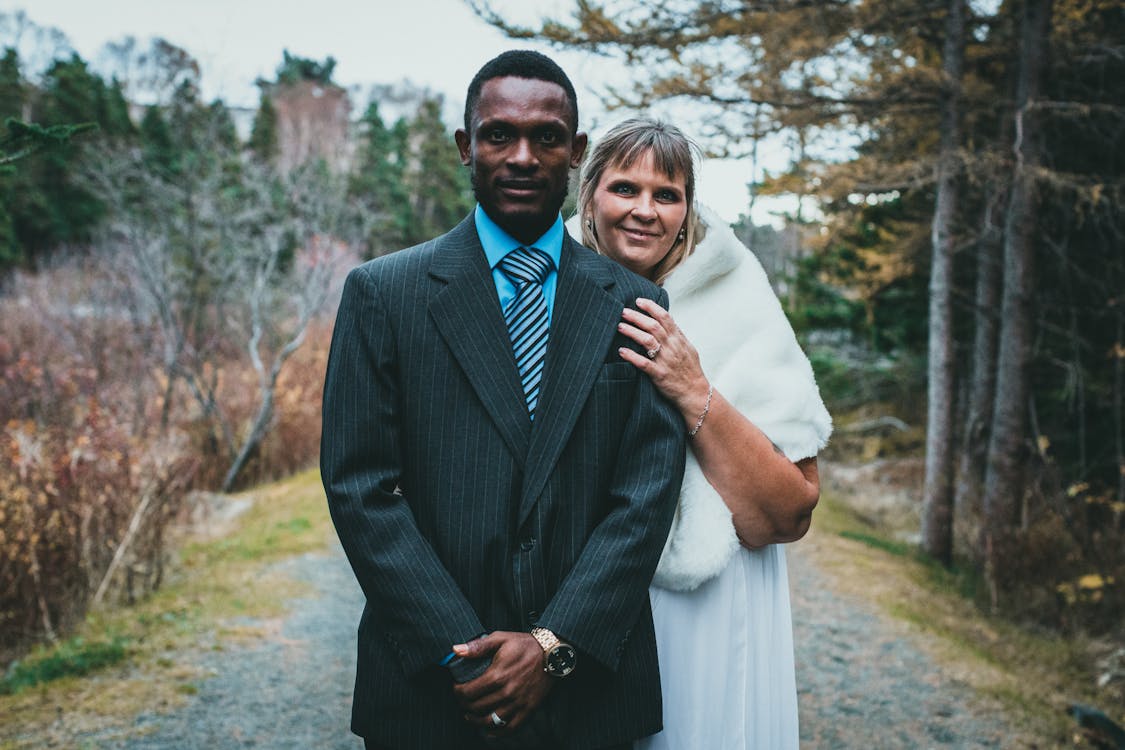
{"x":82,"y":445}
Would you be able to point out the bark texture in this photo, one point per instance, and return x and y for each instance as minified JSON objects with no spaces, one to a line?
{"x":937,"y":508}
{"x":1007,"y":447}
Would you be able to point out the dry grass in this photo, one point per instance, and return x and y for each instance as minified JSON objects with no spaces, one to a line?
{"x":219,"y":584}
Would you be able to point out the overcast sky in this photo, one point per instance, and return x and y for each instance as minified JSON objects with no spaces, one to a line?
{"x":437,"y":44}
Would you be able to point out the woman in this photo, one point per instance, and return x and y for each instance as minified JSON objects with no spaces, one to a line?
{"x":730,"y":362}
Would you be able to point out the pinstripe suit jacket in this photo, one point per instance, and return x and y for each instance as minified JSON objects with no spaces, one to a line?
{"x":460,"y":515}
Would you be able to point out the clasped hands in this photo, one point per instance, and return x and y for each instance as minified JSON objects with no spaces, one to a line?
{"x":512,"y":686}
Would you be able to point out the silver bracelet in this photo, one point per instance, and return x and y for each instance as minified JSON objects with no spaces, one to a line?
{"x":706,"y":408}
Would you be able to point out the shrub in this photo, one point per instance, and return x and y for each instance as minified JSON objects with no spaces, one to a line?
{"x":98,"y":448}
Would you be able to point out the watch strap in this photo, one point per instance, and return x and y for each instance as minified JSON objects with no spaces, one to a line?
{"x":547,"y":639}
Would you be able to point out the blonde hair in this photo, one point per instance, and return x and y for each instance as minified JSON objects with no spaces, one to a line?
{"x":673,"y":153}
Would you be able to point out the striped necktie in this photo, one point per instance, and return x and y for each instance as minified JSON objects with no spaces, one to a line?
{"x":526,"y":316}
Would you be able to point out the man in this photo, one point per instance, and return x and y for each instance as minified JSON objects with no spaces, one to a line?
{"x":493,"y":466}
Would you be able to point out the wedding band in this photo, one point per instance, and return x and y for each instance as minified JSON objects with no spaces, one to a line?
{"x":496,"y":720}
{"x":653,"y":352}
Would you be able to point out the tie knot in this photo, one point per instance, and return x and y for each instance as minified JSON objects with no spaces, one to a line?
{"x":525,"y":265}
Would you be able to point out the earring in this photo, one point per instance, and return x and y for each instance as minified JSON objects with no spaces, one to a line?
{"x":681,"y":235}
{"x":589,"y":223}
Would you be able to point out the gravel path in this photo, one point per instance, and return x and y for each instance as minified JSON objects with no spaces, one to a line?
{"x":291,"y":690}
{"x":863,"y":681}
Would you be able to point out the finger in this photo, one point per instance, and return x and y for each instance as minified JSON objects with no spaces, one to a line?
{"x":644,"y":338}
{"x":484,"y":704}
{"x":510,"y":710}
{"x":655,"y":311}
{"x":484,"y":720}
{"x":475,"y":691}
{"x":478,"y":647}
{"x":640,"y":361}
{"x":640,"y":320}
{"x":513,"y":717}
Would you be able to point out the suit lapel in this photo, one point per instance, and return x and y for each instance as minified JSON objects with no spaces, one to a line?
{"x":467,"y":313}
{"x":583,"y":321}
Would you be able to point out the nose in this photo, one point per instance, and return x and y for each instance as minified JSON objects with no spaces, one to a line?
{"x":522,"y":156}
{"x":644,"y":209}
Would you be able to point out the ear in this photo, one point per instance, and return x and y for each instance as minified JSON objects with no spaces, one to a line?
{"x":578,"y":150}
{"x":464,"y":145}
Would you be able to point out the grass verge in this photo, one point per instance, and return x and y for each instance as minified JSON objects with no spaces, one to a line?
{"x":138,"y":658}
{"x":1027,"y":673}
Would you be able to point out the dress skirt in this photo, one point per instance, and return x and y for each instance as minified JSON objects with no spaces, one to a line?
{"x":726,"y":659}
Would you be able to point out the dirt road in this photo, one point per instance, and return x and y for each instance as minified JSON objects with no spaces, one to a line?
{"x":863,"y":679}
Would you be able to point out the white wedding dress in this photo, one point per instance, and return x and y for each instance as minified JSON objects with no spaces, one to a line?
{"x":726,"y":659}
{"x":723,"y":625}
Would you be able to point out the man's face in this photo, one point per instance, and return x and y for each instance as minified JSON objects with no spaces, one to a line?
{"x":520,"y":152}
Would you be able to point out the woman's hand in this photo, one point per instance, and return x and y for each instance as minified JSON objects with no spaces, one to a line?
{"x":673,"y":364}
{"x":770,"y":497}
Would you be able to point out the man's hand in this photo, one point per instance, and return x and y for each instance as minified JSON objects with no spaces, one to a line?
{"x":512,"y":687}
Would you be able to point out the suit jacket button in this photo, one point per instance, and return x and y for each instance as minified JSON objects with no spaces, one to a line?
{"x":528,"y":544}
{"x":533,"y":617}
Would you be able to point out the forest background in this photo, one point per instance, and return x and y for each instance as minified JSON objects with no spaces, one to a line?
{"x":956,"y":272}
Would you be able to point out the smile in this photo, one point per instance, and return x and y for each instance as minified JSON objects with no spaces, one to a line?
{"x":639,"y":234}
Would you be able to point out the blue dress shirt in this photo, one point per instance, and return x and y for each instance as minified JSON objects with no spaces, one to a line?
{"x":497,"y":243}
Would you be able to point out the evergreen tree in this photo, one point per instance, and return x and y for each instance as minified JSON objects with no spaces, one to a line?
{"x":12,"y":97}
{"x":263,"y":135}
{"x":13,"y":89}
{"x":114,"y":119}
{"x":156,"y":141}
{"x":379,"y":181}
{"x":294,"y":69}
{"x":66,"y":211}
{"x":440,"y":193}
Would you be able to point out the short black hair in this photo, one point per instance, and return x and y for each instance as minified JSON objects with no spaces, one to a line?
{"x":520,"y":63}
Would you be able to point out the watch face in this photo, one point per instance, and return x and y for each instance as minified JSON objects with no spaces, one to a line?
{"x":561,"y":660}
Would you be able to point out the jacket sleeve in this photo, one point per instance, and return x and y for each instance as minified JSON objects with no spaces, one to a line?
{"x":419,"y":607}
{"x":600,"y":600}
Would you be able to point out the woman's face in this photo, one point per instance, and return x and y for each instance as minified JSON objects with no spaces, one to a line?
{"x":638,"y":213}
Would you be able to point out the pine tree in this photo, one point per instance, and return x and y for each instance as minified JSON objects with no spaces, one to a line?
{"x":68,"y":212}
{"x":378,"y":181}
{"x":13,"y":89}
{"x":12,"y":97}
{"x":440,"y":193}
{"x":156,"y":140}
{"x":263,"y":134}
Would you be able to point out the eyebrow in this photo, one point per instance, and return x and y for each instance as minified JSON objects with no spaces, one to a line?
{"x":557,"y":123}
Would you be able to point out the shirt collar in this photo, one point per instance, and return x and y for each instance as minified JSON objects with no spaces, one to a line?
{"x":497,"y":243}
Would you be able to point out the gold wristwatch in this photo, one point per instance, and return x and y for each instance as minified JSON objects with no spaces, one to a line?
{"x":559,"y":659}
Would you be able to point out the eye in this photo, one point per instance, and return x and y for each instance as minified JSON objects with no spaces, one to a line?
{"x":622,"y":188}
{"x":549,"y":138}
{"x":496,"y":135}
{"x":668,"y":196}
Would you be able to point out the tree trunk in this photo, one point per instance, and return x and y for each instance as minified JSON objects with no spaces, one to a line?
{"x":982,"y":386}
{"x":937,"y":508}
{"x":1118,"y":381}
{"x":257,"y":433}
{"x":1003,"y":487}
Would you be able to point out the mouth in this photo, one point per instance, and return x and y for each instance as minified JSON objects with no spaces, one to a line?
{"x":639,"y":235}
{"x":521,"y":188}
